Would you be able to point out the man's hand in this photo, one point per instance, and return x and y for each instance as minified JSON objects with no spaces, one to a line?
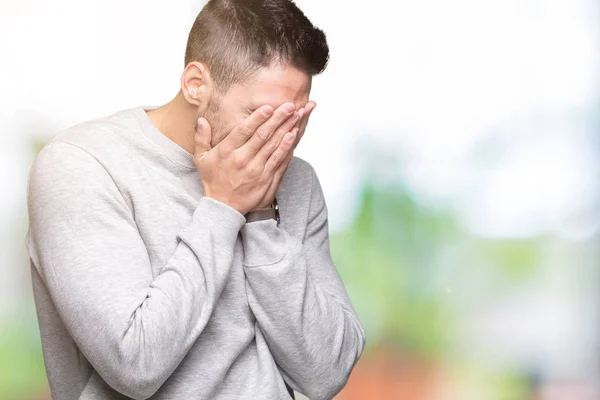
{"x":242,"y":169}
{"x":308,"y":109}
{"x":304,"y":114}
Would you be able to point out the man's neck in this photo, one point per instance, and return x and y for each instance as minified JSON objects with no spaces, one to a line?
{"x":177,"y":121}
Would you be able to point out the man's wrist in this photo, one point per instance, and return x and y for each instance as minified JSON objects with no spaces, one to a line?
{"x":271,"y":212}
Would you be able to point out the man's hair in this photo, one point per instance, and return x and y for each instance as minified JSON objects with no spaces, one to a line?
{"x":236,"y":38}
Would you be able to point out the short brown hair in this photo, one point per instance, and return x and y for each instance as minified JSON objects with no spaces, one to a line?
{"x":235,"y":38}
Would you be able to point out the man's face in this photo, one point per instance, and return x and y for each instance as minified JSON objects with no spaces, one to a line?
{"x":273,"y":85}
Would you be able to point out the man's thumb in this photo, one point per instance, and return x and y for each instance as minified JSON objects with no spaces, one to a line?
{"x":202,"y":138}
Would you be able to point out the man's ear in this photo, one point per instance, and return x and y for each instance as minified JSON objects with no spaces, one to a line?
{"x":195,"y":83}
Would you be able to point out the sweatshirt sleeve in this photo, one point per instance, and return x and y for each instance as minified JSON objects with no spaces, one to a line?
{"x":132,"y":327}
{"x":300,"y":303}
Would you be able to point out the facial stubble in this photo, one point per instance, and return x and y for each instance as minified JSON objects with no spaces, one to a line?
{"x":211,"y":114}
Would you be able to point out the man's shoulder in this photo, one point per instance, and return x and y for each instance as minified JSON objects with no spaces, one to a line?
{"x":93,"y":145}
{"x":97,"y":133}
{"x":299,"y":174}
{"x":297,"y":162}
{"x":296,"y":185}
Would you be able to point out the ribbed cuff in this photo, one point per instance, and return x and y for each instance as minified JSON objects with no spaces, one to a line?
{"x":222,"y":220}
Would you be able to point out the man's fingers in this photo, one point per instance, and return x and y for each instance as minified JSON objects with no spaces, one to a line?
{"x":310,"y":107}
{"x":277,"y":175}
{"x":301,"y":113}
{"x":284,"y":164}
{"x":283,"y":118}
{"x":244,"y":131}
{"x":280,"y":154}
{"x":202,"y":138}
{"x":273,"y":143}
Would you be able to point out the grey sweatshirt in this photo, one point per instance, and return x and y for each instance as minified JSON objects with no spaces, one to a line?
{"x":146,"y":288}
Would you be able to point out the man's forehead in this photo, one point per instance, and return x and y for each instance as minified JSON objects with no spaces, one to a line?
{"x":275,"y":86}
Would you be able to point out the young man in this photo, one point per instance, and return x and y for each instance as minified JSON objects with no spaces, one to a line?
{"x":182,"y":252}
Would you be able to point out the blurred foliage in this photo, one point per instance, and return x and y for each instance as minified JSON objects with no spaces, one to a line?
{"x":400,"y":258}
{"x":516,"y":258}
{"x":22,"y":372}
{"x":386,"y":259}
{"x":492,"y":384}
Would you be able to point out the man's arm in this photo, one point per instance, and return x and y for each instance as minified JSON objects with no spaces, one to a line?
{"x":300,"y":302}
{"x":134,"y":329}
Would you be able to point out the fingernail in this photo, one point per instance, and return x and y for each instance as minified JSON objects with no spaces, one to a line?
{"x":290,"y":136}
{"x":267,"y":110}
{"x":289,"y":107}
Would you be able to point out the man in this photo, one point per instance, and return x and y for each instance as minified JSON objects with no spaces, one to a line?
{"x":182,"y":252}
